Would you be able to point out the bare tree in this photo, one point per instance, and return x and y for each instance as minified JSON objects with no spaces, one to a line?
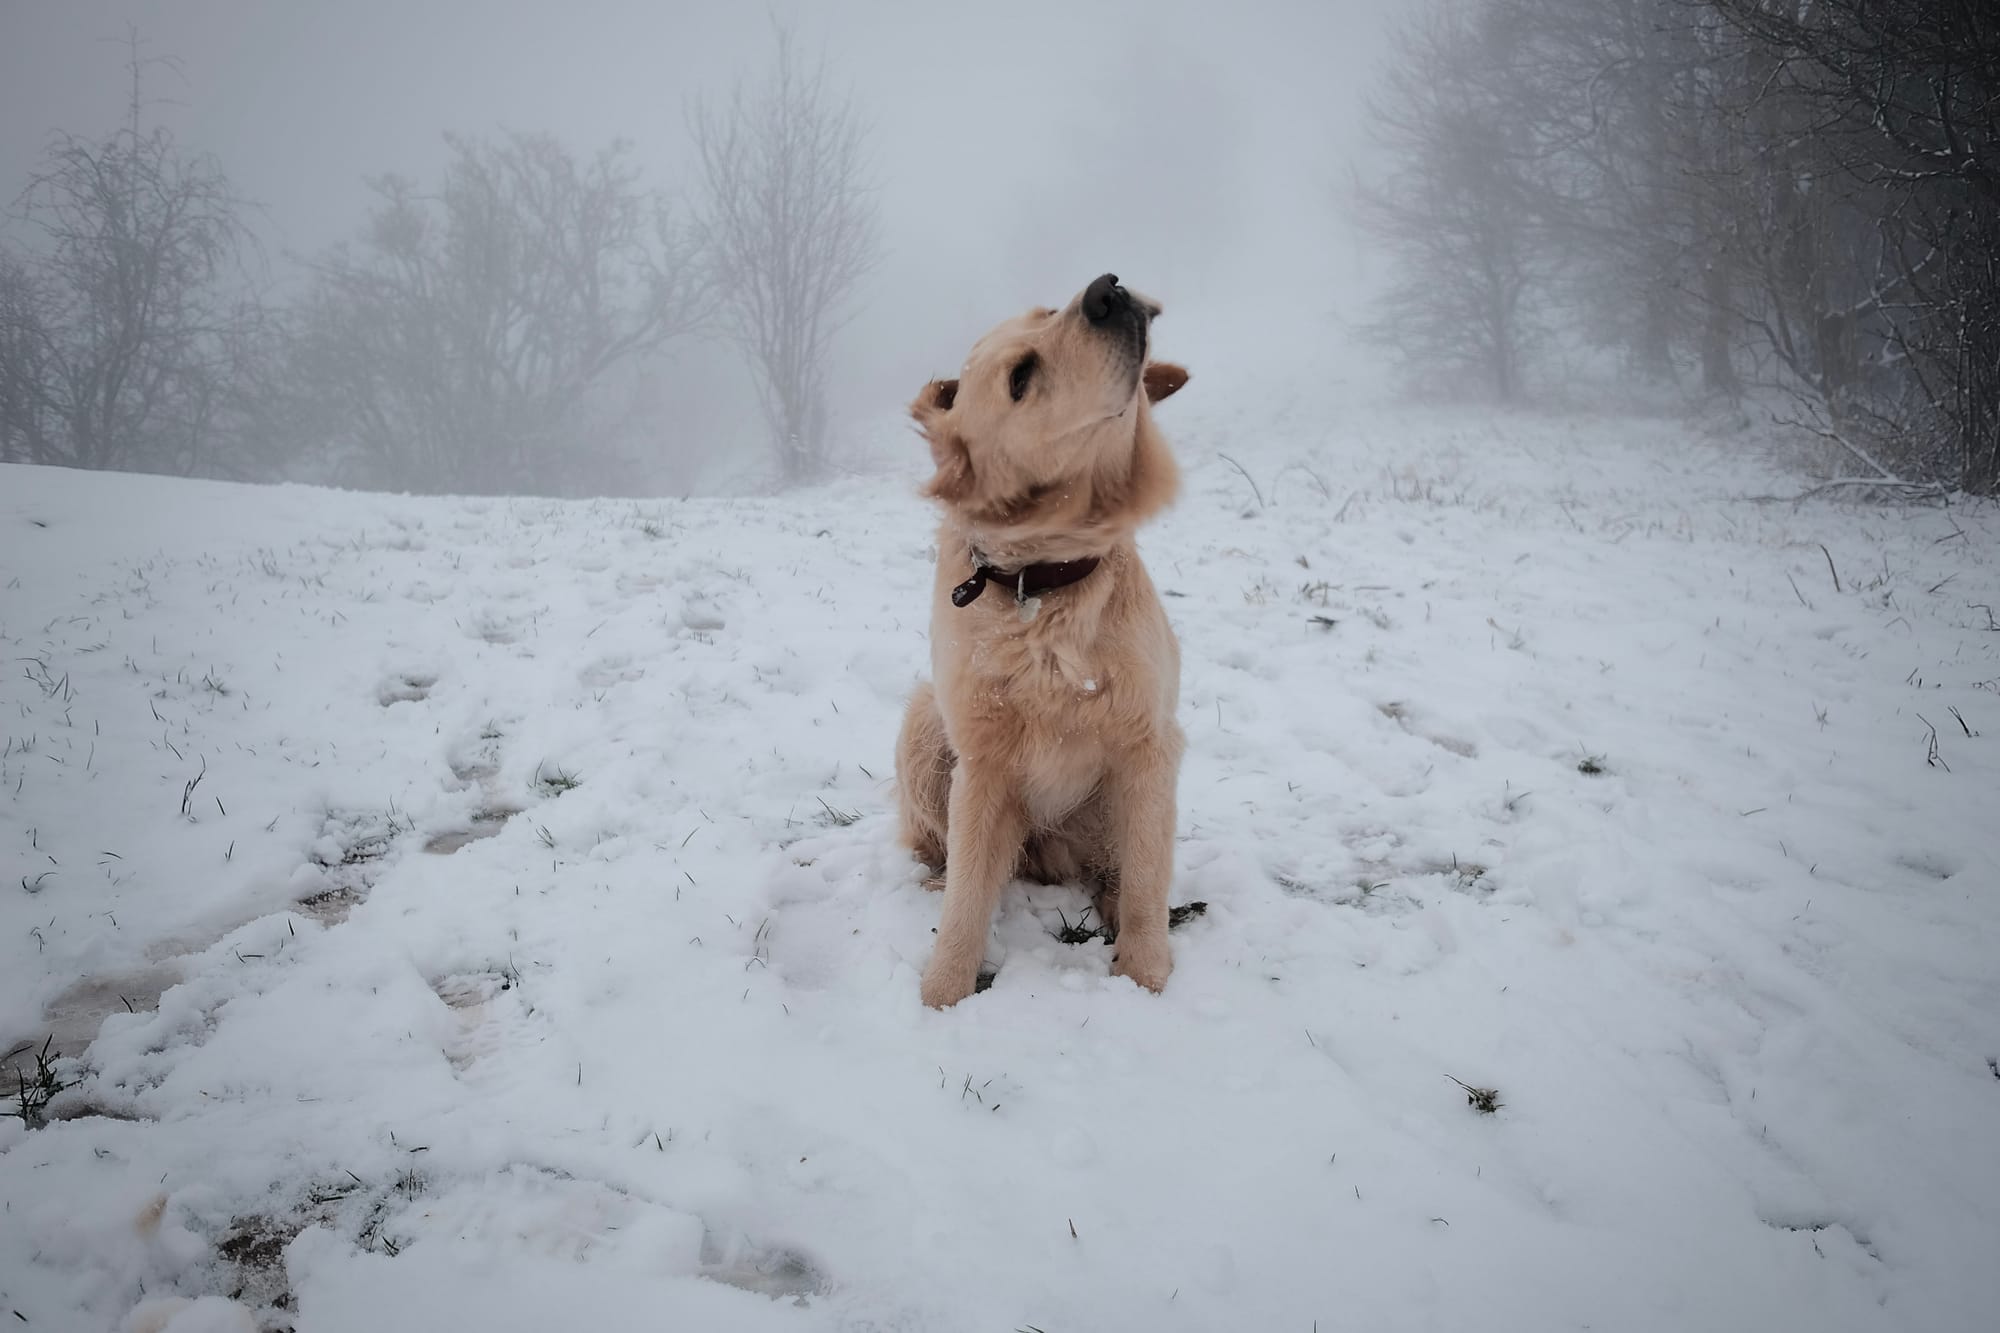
{"x":790,"y":228}
{"x":117,"y":318}
{"x":462,"y":344}
{"x":1806,"y":196}
{"x":1455,"y":206}
{"x":1589,"y":87}
{"x":1882,"y":118}
{"x":26,"y":411}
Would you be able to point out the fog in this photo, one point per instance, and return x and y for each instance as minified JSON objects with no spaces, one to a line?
{"x":519,"y":762}
{"x":1014,"y":152}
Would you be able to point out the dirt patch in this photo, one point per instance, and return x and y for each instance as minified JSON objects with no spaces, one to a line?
{"x":774,"y":1273}
{"x":252,"y":1253}
{"x":331,"y":906}
{"x":484,"y":824}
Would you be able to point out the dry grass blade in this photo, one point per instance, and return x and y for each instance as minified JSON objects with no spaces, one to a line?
{"x":833,"y":817}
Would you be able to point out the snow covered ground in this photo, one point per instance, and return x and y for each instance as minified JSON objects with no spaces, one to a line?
{"x":484,"y":914}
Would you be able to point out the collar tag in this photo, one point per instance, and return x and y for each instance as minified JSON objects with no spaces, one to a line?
{"x":1027,"y":606}
{"x":966,"y":593}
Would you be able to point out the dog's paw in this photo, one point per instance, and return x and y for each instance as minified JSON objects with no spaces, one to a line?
{"x":1145,"y":959}
{"x":946,"y":985}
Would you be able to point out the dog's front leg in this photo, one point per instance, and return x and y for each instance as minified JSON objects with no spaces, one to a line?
{"x":1142,"y":814}
{"x":982,"y":843}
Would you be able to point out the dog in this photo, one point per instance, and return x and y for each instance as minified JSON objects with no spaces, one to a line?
{"x":1046,"y":743}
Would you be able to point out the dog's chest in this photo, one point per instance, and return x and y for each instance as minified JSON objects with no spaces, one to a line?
{"x":1049,"y":698}
{"x":1060,"y":737}
{"x":1057,"y":688}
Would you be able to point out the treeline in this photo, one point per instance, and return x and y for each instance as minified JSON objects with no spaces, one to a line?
{"x":1731,"y":195}
{"x":487,"y":331}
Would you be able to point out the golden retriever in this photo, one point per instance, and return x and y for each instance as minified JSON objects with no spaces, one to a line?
{"x":1047,"y":744}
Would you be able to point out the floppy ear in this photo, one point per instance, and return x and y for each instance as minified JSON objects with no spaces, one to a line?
{"x":952,"y":481}
{"x":1163,"y":380}
{"x":933,"y":401}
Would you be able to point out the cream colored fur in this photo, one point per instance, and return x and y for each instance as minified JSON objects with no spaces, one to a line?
{"x":1047,"y":746}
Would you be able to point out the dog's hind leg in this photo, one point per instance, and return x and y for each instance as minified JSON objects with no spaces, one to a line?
{"x":923,"y":779}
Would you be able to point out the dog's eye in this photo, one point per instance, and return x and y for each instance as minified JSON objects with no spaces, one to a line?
{"x":1017,"y":381}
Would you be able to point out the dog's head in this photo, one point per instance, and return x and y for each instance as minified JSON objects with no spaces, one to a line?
{"x":1047,"y":432}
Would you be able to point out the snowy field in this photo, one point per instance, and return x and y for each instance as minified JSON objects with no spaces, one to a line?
{"x":484,"y":914}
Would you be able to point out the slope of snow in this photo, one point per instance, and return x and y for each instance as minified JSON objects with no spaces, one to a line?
{"x":486,"y":914}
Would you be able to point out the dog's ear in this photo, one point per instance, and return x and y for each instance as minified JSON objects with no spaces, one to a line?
{"x":934,"y":401}
{"x":952,"y":481}
{"x":1163,"y":380}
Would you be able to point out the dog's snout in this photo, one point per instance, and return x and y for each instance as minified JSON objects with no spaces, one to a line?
{"x":1104,"y":299}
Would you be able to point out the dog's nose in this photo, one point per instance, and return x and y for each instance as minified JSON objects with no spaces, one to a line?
{"x":1104,"y":298}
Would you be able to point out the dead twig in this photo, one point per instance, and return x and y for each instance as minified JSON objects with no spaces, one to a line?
{"x":1255,"y":490}
{"x":1931,"y":756}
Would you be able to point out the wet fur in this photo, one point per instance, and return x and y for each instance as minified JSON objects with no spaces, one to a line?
{"x":1047,"y":748}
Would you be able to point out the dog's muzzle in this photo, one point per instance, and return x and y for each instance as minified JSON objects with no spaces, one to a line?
{"x":1108,"y":306}
{"x":1116,"y":313}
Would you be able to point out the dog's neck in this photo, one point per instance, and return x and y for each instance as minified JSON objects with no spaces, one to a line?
{"x":1026,"y":582}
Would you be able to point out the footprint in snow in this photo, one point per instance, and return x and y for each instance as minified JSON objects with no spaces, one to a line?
{"x":615,"y":669}
{"x":405,"y":687}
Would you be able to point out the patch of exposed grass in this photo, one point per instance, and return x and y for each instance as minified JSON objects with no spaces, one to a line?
{"x":555,"y":781}
{"x":1079,"y":932}
{"x":36,"y":1089}
{"x":1483,"y":1100}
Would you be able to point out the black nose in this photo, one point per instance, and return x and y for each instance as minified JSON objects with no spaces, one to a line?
{"x":1104,"y":298}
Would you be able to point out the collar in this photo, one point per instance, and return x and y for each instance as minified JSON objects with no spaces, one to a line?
{"x":1026,"y":582}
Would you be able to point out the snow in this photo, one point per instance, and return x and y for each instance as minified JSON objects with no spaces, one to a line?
{"x":177,"y":1314}
{"x":485,"y":913}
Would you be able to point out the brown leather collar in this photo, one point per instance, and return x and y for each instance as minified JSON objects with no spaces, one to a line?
{"x":1025,"y":582}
